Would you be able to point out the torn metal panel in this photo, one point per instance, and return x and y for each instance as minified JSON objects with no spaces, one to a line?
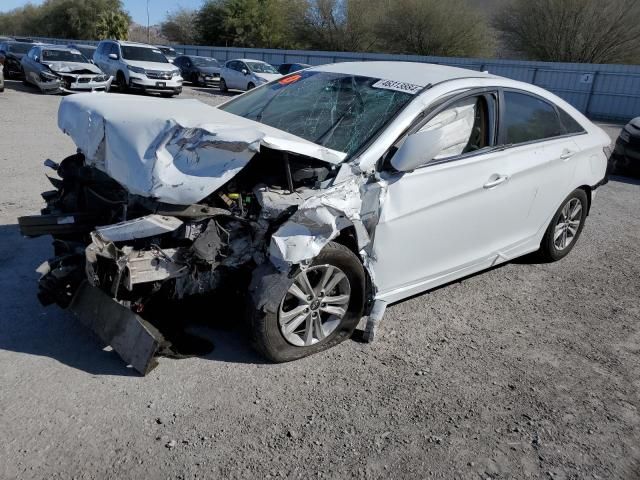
{"x":134,"y":339}
{"x":317,"y":221}
{"x":178,"y":156}
{"x":141,"y":227}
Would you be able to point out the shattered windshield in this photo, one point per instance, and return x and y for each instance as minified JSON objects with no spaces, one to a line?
{"x":338,"y":111}
{"x":143,"y":54}
{"x":260,"y":67}
{"x":63,"y":56}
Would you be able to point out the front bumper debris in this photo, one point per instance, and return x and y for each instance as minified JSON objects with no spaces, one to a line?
{"x":135,"y":340}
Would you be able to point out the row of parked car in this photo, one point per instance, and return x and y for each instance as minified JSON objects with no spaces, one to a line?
{"x":128,"y":66}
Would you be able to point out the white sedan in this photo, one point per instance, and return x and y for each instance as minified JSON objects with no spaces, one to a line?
{"x":325,"y":195}
{"x":246,"y":74}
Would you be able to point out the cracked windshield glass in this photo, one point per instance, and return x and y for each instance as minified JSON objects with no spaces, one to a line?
{"x":338,"y":111}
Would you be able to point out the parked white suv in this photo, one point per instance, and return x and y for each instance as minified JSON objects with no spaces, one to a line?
{"x":138,"y":66}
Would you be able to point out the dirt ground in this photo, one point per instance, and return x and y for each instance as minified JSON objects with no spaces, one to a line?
{"x":524,"y":371}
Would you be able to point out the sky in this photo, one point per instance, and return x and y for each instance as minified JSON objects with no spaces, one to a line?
{"x":136,"y":8}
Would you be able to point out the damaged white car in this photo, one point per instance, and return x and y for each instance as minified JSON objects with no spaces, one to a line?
{"x":324,"y":195}
{"x":56,"y":69}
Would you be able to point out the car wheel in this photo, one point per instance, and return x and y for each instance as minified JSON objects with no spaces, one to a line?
{"x":195,"y":79}
{"x":122,"y":82}
{"x":250,"y":86}
{"x":223,"y":86}
{"x":320,"y":308}
{"x":565,"y":227}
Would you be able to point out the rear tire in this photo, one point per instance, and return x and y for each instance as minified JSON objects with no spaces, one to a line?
{"x":223,"y":86}
{"x":337,"y":310}
{"x":565,"y":227}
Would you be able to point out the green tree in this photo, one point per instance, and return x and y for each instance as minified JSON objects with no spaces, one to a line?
{"x":180,"y":26}
{"x":589,"y":31}
{"x":112,"y":24}
{"x":434,"y":27}
{"x":76,"y":19}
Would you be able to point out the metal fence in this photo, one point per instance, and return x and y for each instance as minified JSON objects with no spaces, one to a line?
{"x":606,"y":92}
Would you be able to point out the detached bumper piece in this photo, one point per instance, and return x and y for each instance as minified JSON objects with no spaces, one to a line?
{"x":135,"y":340}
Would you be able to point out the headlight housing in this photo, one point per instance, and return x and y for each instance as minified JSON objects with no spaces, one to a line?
{"x":260,"y":79}
{"x":139,"y":70}
{"x":175,"y":73}
{"x":48,"y":76}
{"x":101,"y":78}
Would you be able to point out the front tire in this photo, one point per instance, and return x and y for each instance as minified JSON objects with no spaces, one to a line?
{"x":318,"y":308}
{"x":122,"y":82}
{"x":565,"y":227}
{"x":250,"y":86}
{"x":223,"y":86}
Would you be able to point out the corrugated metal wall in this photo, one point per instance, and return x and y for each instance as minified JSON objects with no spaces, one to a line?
{"x":607,"y":92}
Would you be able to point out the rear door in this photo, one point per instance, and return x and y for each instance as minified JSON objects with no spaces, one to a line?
{"x":544,"y":156}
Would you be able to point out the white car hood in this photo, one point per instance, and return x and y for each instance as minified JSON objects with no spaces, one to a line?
{"x":176,"y":151}
{"x":71,"y":67}
{"x":162,"y":67}
{"x":268,"y":76}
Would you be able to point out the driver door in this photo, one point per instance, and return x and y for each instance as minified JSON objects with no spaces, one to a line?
{"x":452,"y":216}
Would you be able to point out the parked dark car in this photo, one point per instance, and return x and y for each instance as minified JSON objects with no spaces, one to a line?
{"x":86,"y":50}
{"x":199,"y":70}
{"x":287,"y":68}
{"x":626,"y":155}
{"x":11,"y":54}
{"x":168,"y":52}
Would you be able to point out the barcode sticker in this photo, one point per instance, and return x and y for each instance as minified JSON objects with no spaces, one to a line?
{"x":397,"y":86}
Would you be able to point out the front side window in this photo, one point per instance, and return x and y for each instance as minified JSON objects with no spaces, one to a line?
{"x":143,"y":54}
{"x":527,"y":119}
{"x":339,"y":111}
{"x":465,"y":126}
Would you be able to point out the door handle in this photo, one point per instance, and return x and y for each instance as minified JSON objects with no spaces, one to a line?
{"x":496,"y":180}
{"x":567,"y":154}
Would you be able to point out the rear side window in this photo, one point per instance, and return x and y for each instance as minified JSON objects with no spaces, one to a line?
{"x":569,"y":123}
{"x":527,"y":119}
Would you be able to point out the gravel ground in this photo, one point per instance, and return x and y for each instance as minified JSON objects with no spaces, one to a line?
{"x":524,"y":371}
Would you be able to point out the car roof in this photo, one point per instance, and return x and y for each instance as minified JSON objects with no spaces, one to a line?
{"x":421,"y":74}
{"x":245,"y":60}
{"x":58,"y":47}
{"x":124,"y":43}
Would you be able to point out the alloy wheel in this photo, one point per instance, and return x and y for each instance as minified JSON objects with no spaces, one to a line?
{"x":314,"y":305}
{"x":568,"y":224}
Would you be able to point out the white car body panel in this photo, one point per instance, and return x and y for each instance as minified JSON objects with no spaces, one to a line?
{"x":236,"y":80}
{"x":434,"y":224}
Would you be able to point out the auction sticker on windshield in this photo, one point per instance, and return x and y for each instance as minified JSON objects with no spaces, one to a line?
{"x":397,"y":86}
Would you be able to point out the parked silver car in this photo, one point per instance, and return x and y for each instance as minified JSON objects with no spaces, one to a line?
{"x":56,"y":69}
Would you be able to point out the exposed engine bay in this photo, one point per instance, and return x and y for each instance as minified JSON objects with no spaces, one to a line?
{"x":148,"y":246}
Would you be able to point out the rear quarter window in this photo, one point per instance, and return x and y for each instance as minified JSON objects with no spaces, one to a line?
{"x":569,"y":123}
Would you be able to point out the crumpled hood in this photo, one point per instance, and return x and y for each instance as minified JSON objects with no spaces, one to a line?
{"x":72,"y":67}
{"x":176,"y":151}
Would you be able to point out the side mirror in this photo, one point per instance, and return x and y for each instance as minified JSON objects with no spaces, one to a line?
{"x":113,"y":56}
{"x":245,"y":71}
{"x":37,"y":59}
{"x":418,"y":150}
